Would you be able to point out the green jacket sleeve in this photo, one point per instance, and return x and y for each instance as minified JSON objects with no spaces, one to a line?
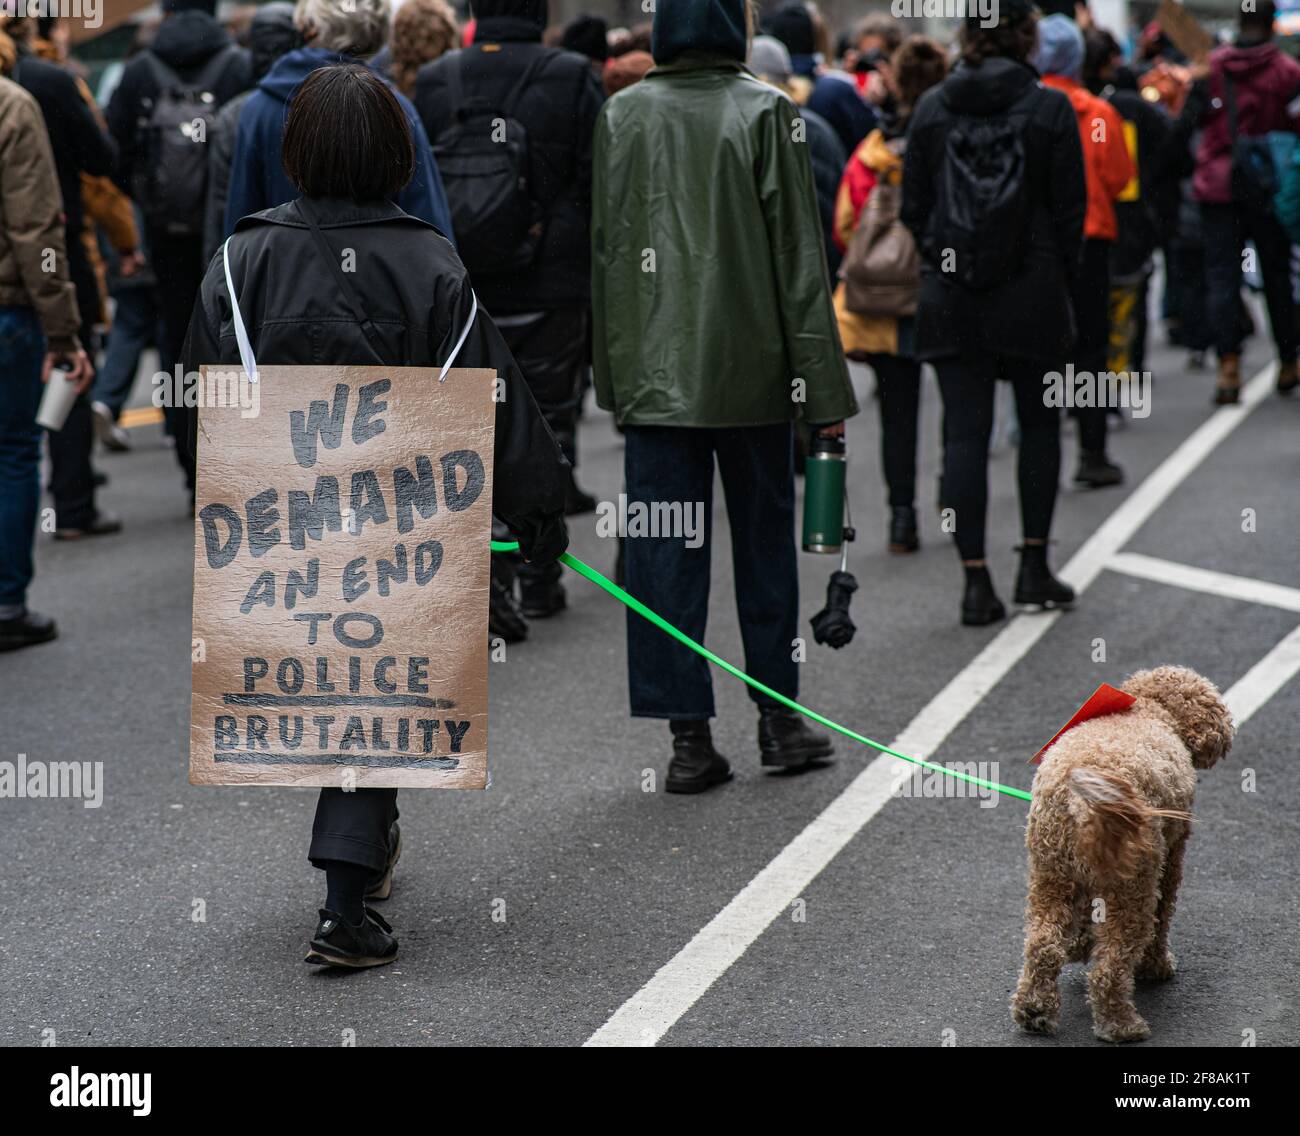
{"x":794,"y":235}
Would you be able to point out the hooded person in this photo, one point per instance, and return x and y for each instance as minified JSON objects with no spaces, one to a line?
{"x":190,"y":51}
{"x":770,"y":61}
{"x":834,"y":95}
{"x":1250,"y":90}
{"x":995,"y":195}
{"x":334,"y":32}
{"x":710,"y":307}
{"x":1107,"y":168}
{"x":271,"y":34}
{"x":539,"y":288}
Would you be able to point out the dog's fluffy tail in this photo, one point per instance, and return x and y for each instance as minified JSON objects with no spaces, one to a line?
{"x":1115,"y":833}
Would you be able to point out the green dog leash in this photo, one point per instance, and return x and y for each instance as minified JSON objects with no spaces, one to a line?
{"x":607,"y":585}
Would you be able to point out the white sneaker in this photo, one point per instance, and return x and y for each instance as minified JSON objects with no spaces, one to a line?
{"x":110,"y":434}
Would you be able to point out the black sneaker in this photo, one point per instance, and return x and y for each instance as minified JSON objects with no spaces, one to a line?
{"x":338,"y":943}
{"x":785,"y":740}
{"x":902,"y":529}
{"x":102,"y":524}
{"x":382,"y":888}
{"x":696,"y":765}
{"x":26,"y":630}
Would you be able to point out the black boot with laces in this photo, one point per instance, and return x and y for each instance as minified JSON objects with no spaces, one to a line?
{"x":1035,"y":584}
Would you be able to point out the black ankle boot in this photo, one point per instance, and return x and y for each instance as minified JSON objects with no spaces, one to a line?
{"x":902,"y":529}
{"x":979,"y":603}
{"x":1035,"y":583}
{"x":785,"y":740}
{"x":696,"y":765}
{"x":1097,"y":471}
{"x":541,"y":594}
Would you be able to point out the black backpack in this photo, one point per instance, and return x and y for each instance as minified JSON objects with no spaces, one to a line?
{"x":482,"y":157}
{"x":983,"y":216}
{"x":171,"y":171}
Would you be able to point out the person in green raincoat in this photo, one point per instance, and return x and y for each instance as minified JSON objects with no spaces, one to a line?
{"x":713,"y":332}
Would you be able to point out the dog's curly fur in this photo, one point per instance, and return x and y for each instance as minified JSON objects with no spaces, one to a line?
{"x":1108,"y":825}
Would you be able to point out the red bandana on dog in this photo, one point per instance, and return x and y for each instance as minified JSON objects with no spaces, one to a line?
{"x":1106,"y":699}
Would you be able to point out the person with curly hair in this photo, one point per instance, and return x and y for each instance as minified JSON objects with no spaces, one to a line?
{"x":422,"y":31}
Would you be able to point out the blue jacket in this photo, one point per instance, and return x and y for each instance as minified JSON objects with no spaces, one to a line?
{"x":838,"y":102}
{"x":257,"y":177}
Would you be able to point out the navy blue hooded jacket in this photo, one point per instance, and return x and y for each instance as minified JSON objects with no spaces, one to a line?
{"x":257,"y":177}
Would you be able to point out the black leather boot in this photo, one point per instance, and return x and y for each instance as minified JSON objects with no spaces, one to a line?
{"x":541,"y":594}
{"x":902,"y":529}
{"x":1035,"y":583}
{"x":1097,"y":471}
{"x":979,"y":603}
{"x":785,"y":740}
{"x":696,"y":765}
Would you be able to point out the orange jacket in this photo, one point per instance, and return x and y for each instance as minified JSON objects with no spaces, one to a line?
{"x":1106,"y":162}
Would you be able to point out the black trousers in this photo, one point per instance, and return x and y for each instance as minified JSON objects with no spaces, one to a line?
{"x":1091,"y":302}
{"x":967,"y":384}
{"x":668,"y":464}
{"x":898,"y":380}
{"x":1226,"y":228}
{"x":552,"y":349}
{"x":72,"y":478}
{"x":179,"y":265}
{"x":353,"y":827}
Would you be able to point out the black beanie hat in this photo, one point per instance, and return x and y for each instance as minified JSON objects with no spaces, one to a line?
{"x":171,"y":7}
{"x":792,"y":24}
{"x":587,"y":35}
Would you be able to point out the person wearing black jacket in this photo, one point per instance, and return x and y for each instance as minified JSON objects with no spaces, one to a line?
{"x":79,"y":146}
{"x":544,"y":310}
{"x":187,"y":40}
{"x":1019,"y":327}
{"x":417,"y":294}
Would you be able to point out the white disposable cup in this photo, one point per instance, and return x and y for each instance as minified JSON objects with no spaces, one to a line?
{"x":56,"y":401}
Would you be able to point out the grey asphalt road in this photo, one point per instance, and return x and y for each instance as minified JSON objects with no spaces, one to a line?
{"x":911,"y":935}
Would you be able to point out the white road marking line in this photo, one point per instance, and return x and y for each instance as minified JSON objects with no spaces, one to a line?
{"x":1204,"y":580}
{"x":653,"y":1010}
{"x":1264,"y":679}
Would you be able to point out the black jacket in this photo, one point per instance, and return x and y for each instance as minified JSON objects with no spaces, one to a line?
{"x":185,"y":42}
{"x":1030,"y":314}
{"x":558,"y":110}
{"x":417,"y":294}
{"x":79,"y":146}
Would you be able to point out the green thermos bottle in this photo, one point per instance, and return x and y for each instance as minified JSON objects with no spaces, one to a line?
{"x":823,"y":499}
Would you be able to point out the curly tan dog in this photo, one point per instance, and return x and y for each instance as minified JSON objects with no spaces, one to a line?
{"x":1107,"y":829}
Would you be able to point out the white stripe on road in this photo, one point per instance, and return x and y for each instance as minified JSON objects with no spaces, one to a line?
{"x":652,"y":1011}
{"x":1204,"y":580}
{"x":1264,"y":679}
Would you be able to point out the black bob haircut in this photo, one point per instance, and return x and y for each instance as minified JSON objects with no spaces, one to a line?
{"x":346,"y":136}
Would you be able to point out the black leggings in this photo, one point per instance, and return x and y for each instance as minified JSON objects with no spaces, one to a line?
{"x":967,"y":384}
{"x":898,"y":379}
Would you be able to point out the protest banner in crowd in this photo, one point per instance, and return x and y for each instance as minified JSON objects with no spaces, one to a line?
{"x":341,"y":581}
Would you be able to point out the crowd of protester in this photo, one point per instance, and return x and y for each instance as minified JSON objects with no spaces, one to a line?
{"x":708,"y":217}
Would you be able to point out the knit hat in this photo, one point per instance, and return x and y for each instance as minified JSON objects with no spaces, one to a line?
{"x":587,"y":35}
{"x":1060,"y":48}
{"x":769,"y":59}
{"x":171,"y":7}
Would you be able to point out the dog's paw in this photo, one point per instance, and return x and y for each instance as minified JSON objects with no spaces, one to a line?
{"x":1158,"y":969}
{"x":1034,"y":1015}
{"x":1124,"y":1029}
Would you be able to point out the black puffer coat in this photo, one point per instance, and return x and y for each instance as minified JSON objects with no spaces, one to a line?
{"x":1028,"y":315}
{"x":416,"y":292}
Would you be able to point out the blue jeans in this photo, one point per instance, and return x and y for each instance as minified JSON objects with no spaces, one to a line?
{"x":22,"y":351}
{"x":675,"y":464}
{"x":135,"y":326}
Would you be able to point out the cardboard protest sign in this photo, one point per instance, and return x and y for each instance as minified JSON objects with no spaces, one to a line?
{"x":1184,"y":30}
{"x":341,"y":581}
